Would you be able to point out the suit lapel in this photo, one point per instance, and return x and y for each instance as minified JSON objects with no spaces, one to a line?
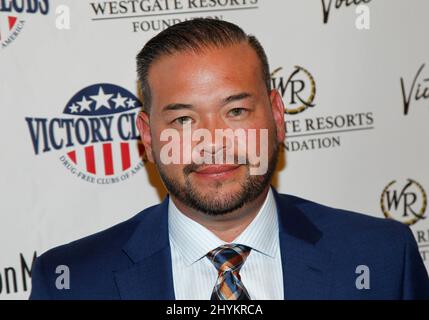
{"x":150,"y":277}
{"x":305,"y":265}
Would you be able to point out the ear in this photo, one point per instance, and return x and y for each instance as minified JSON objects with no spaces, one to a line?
{"x":144,"y":129}
{"x":278,"y":113}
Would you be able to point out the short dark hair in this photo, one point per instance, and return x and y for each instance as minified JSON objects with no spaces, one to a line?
{"x":194,"y":35}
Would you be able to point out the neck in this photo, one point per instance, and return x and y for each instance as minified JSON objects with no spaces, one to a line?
{"x":229,"y":226}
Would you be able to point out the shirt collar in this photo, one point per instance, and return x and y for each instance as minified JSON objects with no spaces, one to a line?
{"x":194,"y":241}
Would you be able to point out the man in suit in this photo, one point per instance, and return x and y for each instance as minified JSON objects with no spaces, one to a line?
{"x":224,"y":233}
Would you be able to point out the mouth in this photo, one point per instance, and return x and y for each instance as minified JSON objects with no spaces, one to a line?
{"x":216,"y":171}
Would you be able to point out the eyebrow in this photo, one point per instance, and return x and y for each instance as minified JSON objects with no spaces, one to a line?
{"x":232,"y":98}
{"x":177,"y":106}
{"x":236,"y":97}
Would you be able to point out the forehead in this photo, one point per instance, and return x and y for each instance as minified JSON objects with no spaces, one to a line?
{"x":208,"y":72}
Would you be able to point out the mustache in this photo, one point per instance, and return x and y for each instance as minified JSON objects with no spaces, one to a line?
{"x":244,"y":160}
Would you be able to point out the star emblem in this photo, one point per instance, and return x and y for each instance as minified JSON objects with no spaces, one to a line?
{"x":119,"y":101}
{"x":131,"y":103}
{"x":101,"y":99}
{"x":84,"y":104}
{"x":74,"y":108}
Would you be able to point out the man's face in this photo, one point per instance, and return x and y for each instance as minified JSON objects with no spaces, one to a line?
{"x":217,"y":88}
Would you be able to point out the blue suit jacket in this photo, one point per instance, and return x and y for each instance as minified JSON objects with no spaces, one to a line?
{"x":321,"y":248}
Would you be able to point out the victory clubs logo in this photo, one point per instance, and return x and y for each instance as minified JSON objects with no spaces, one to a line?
{"x":97,"y":134}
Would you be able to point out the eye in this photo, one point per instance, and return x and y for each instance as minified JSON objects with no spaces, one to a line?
{"x":236,"y":112}
{"x":183,"y":120}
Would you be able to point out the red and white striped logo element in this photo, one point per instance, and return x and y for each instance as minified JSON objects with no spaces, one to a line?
{"x":99,"y":159}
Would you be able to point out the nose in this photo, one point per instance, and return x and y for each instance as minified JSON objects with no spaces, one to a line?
{"x":214,"y":145}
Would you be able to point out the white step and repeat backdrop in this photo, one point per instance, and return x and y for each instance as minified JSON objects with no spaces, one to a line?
{"x":353,"y":75}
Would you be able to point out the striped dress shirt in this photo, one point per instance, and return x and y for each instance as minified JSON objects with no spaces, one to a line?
{"x":194,"y":276}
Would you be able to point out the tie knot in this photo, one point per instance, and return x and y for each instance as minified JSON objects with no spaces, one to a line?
{"x":229,"y":257}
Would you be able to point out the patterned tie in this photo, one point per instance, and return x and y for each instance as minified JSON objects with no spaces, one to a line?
{"x":228,"y":260}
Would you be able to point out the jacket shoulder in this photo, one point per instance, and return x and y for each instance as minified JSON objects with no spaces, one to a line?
{"x":346,"y":223}
{"x":89,"y":261}
{"x":102,"y":242}
{"x":385,"y":246}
